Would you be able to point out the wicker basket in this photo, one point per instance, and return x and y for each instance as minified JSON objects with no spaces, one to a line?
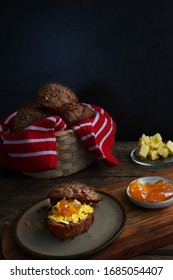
{"x":72,"y":156}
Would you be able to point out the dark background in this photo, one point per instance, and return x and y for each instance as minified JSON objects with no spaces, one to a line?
{"x":116,"y":54}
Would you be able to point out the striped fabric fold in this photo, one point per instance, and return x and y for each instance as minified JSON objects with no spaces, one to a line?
{"x":34,"y":148}
{"x":98,"y":135}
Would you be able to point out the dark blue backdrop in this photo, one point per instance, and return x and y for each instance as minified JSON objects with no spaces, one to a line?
{"x":116,"y":54}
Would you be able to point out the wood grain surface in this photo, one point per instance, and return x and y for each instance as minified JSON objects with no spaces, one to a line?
{"x":147,"y":232}
{"x":145,"y":229}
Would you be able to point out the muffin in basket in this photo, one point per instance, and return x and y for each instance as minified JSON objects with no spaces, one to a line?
{"x":76,"y":112}
{"x":26,"y":115}
{"x":52,"y":97}
{"x":72,"y":209}
{"x":57,"y":99}
{"x":46,"y":140}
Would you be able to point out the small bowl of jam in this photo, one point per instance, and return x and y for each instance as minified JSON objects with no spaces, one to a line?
{"x":151,"y":192}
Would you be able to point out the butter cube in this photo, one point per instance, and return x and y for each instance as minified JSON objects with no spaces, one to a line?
{"x":142,"y":150}
{"x":156,"y":141}
{"x":153,"y":154}
{"x":169,"y":145}
{"x":163,"y":151}
{"x":146,"y":139}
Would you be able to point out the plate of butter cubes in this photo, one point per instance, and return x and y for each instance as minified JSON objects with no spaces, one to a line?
{"x":153,"y":151}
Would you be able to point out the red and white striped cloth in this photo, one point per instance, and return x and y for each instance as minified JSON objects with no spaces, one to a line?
{"x":34,"y":148}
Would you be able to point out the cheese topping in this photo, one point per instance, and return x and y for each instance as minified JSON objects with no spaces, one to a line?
{"x":69,"y":210}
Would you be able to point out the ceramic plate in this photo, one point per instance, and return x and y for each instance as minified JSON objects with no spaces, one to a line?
{"x":151,"y":205}
{"x":148,"y":162}
{"x":109,"y":219}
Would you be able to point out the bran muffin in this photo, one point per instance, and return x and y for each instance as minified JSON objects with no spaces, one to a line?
{"x":26,"y":115}
{"x":76,"y":112}
{"x":72,"y":210}
{"x":53,"y":96}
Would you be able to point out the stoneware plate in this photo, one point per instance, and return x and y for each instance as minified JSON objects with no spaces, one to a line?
{"x":148,"y":162}
{"x":109,"y":220}
{"x":151,"y":205}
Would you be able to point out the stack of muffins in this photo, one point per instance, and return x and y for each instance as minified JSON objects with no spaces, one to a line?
{"x":52,"y":99}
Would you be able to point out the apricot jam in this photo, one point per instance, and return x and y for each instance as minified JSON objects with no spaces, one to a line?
{"x":156,"y":192}
{"x":67,"y":207}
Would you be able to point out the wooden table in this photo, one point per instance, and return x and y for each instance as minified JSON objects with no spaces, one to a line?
{"x":18,"y":192}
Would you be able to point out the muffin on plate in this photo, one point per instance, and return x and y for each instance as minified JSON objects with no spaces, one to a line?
{"x":72,"y":209}
{"x":53,"y":96}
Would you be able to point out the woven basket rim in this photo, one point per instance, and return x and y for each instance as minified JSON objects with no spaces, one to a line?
{"x":70,"y":139}
{"x":59,"y":133}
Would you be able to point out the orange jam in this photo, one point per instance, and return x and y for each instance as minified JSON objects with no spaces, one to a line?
{"x":159,"y":191}
{"x":69,"y":210}
{"x":67,"y":207}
